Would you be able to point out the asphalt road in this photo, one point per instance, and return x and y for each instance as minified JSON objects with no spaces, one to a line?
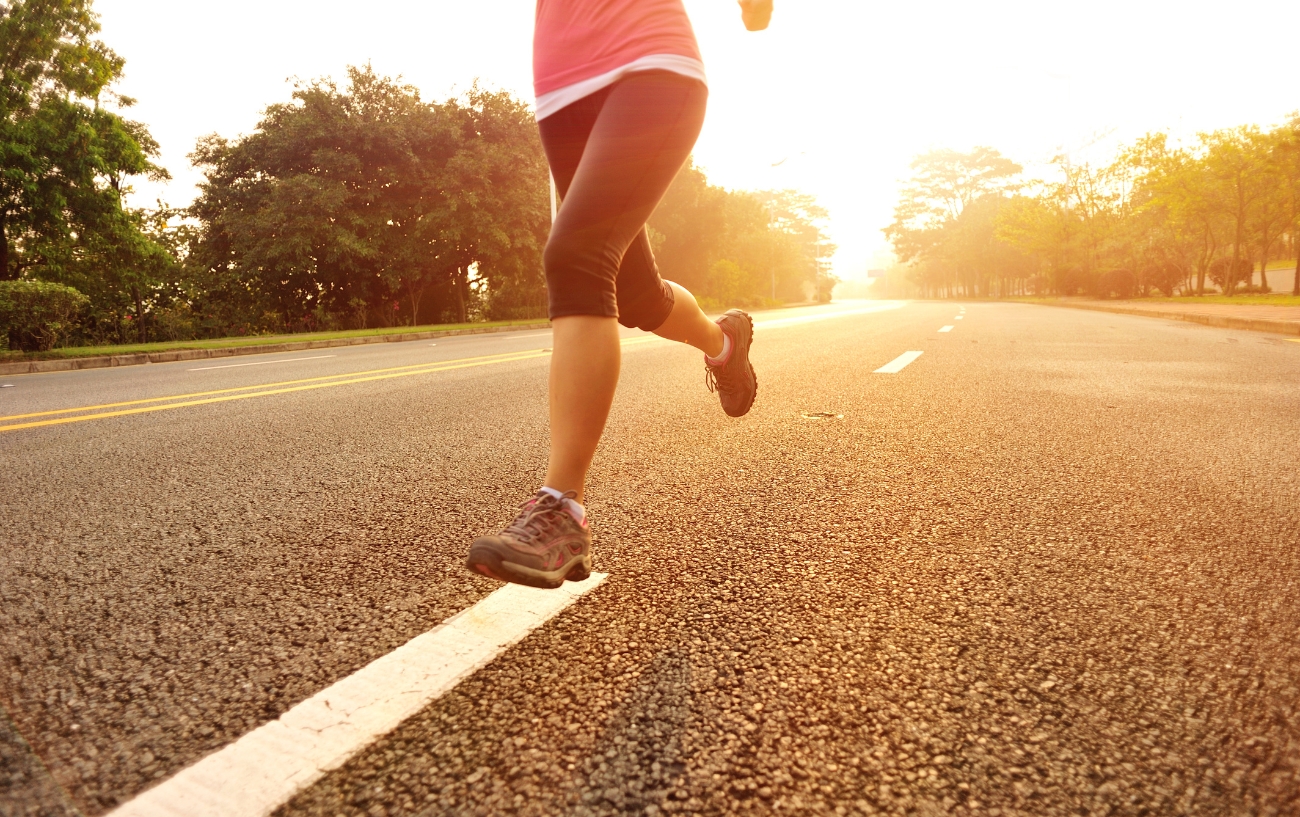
{"x":1050,"y":567}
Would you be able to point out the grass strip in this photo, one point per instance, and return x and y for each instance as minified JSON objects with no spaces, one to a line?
{"x":248,"y":340}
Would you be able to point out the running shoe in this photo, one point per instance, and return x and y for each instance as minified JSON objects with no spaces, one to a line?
{"x":734,"y":379}
{"x":543,"y":546}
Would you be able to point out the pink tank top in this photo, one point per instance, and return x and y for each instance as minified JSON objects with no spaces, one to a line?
{"x":581,"y":46}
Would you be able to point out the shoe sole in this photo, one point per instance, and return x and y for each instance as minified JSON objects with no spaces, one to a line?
{"x":486,"y":561}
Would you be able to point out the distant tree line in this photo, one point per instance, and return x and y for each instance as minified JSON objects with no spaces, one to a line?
{"x":347,"y":207}
{"x":1158,"y":218}
{"x":742,"y":248}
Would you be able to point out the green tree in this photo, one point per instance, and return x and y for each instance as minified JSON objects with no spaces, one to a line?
{"x":797,"y":221}
{"x":504,"y":167}
{"x":1237,"y":172}
{"x":1287,"y":167}
{"x":363,"y":202}
{"x":1175,"y":189}
{"x":943,"y":184}
{"x":67,"y":159}
{"x":772,"y":242}
{"x":692,"y":220}
{"x":1156,"y":217}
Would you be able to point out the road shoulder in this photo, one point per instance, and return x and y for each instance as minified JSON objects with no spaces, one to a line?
{"x":1245,"y":317}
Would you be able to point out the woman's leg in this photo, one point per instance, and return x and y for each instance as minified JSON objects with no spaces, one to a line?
{"x":687,"y":323}
{"x":640,"y":138}
{"x":584,"y":374}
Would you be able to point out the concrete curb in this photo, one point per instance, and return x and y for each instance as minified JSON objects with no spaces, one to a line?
{"x":106,"y":361}
{"x":1219,"y":321}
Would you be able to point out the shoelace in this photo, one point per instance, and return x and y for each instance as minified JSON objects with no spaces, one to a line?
{"x":717,"y":377}
{"x":537,"y":517}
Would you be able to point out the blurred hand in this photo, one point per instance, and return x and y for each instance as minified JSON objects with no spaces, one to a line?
{"x":756,"y":13}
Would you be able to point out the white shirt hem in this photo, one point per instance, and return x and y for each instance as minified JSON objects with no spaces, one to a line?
{"x":561,"y":98}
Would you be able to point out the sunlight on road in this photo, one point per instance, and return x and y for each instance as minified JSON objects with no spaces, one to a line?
{"x":846,"y":308}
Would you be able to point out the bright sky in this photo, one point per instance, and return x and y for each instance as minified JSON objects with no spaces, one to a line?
{"x":845,"y":92}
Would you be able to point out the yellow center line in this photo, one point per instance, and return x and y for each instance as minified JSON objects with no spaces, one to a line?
{"x":265,"y":389}
{"x":501,"y":355}
{"x":427,"y":369}
{"x":489,"y":358}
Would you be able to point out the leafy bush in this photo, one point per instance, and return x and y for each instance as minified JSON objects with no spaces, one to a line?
{"x":175,"y":322}
{"x":34,"y":315}
{"x":1119,"y":283}
{"x":726,"y":282}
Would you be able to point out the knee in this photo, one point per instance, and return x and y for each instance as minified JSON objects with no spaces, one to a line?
{"x":561,"y":255}
{"x":576,"y":281}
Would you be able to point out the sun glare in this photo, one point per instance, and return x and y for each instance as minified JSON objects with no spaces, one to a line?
{"x":834,"y":100}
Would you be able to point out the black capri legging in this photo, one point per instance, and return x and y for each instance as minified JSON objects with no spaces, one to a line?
{"x":613,"y":155}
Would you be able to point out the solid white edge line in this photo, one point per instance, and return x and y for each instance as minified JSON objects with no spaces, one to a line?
{"x":945,"y":329}
{"x":259,"y":363}
{"x":898,"y":364}
{"x":266,"y":767}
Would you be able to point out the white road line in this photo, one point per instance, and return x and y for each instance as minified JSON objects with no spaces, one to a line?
{"x":945,"y":329}
{"x":959,"y":317}
{"x":259,"y":363}
{"x":898,"y":364}
{"x":266,"y":767}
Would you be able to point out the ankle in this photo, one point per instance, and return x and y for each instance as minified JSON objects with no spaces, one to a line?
{"x":574,"y":508}
{"x":724,"y":353}
{"x":715,"y":345}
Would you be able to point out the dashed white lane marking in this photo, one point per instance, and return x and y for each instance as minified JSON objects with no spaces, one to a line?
{"x":265,"y":768}
{"x":959,"y":317}
{"x":259,"y":363}
{"x":945,"y":329}
{"x":898,"y":364}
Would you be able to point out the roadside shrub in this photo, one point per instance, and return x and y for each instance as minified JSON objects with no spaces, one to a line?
{"x":1221,"y":269}
{"x":1119,"y":283}
{"x":1166,"y":277}
{"x":175,"y":322}
{"x":35,"y":315}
